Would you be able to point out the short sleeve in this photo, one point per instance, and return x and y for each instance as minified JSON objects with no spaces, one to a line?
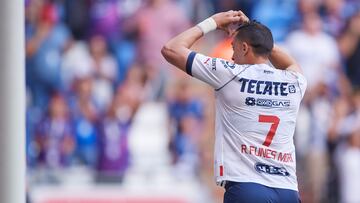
{"x":213,"y":71}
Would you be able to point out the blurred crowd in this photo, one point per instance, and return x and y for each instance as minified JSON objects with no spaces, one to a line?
{"x":91,"y":64}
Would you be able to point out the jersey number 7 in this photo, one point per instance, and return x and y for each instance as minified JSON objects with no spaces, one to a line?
{"x":274,"y":120}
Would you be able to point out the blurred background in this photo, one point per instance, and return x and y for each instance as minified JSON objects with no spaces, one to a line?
{"x":108,"y":120}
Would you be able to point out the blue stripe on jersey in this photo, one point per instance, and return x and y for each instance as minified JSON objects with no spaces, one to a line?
{"x":189,"y":62}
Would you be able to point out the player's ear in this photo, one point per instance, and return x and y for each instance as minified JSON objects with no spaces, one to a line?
{"x":245,"y":48}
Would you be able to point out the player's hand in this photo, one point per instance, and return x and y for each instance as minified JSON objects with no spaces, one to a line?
{"x":226,"y":20}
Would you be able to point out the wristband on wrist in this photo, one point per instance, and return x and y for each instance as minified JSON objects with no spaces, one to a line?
{"x":207,"y":25}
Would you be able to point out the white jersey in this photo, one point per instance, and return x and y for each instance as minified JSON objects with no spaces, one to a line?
{"x":256,"y":110}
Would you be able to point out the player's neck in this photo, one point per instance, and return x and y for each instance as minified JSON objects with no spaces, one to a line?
{"x":256,"y":60}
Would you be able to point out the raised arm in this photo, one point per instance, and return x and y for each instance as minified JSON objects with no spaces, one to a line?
{"x":177,"y":50}
{"x":281,"y":60}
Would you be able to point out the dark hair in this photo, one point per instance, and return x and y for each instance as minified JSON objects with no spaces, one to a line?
{"x":256,"y":35}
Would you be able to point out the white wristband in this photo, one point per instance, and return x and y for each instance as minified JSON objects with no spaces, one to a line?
{"x":207,"y":25}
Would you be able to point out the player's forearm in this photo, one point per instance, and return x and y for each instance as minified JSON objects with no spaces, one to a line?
{"x":280,"y":59}
{"x":185,"y":39}
{"x":176,"y":50}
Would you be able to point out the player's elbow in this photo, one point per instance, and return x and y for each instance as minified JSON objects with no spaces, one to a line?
{"x":174,"y":54}
{"x":167,"y":51}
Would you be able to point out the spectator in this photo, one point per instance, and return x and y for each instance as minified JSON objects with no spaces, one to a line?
{"x":334,"y":14}
{"x":348,"y":153}
{"x":113,"y":144}
{"x":349,"y":45}
{"x":44,"y":49}
{"x":114,"y":128}
{"x":316,"y":60}
{"x":54,"y":135}
{"x":105,"y":19}
{"x":184,"y":110}
{"x":306,"y":7}
{"x":348,"y":163}
{"x":105,"y":71}
{"x":339,"y":125}
{"x":76,"y":63}
{"x":85,"y":116}
{"x":187,"y":145}
{"x":154,"y":29}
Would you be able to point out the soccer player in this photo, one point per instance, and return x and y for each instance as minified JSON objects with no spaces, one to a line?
{"x":256,"y":108}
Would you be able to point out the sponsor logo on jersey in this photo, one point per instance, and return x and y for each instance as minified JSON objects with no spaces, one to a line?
{"x":250,"y":101}
{"x":228,"y":64}
{"x":292,"y":89}
{"x":213,"y":64}
{"x":268,"y":72}
{"x":271,"y":103}
{"x":272,"y":170}
{"x":261,"y":87}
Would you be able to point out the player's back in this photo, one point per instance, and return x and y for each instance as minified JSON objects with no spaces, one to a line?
{"x":256,"y":110}
{"x":256,"y":116}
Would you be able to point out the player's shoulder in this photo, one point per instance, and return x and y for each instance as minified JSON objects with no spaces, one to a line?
{"x":222,"y":65}
{"x":231,"y":65}
{"x":294,"y":75}
{"x":287,"y":74}
{"x":270,"y":72}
